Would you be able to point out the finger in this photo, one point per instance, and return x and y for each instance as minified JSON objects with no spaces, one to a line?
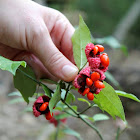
{"x":61,"y":32}
{"x":36,"y":64}
{"x":33,"y":61}
{"x":44,"y":48}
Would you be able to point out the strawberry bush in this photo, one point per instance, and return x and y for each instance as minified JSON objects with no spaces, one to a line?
{"x":55,"y":105}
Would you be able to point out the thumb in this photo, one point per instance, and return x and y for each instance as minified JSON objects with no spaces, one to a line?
{"x":55,"y":62}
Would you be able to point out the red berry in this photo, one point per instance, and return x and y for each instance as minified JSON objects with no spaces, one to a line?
{"x":90,"y":96}
{"x":100,"y":48}
{"x":99,"y":84}
{"x":48,"y":115}
{"x":44,"y":106}
{"x":85,"y":91}
{"x":95,"y":76}
{"x":104,"y":60}
{"x":95,"y":50}
{"x":89,"y":82}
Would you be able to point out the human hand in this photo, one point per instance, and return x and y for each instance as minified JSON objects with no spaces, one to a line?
{"x":39,"y":35}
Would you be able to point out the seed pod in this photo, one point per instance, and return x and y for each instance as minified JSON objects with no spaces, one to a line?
{"x":99,"y":84}
{"x":48,"y":115}
{"x":95,"y":76}
{"x":104,"y":60}
{"x":95,"y":50}
{"x":100,"y":48}
{"x":90,"y":96}
{"x":89,"y":82}
{"x":44,"y":106}
{"x":86,"y":91}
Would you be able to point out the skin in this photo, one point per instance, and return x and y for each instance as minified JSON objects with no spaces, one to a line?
{"x":39,"y":35}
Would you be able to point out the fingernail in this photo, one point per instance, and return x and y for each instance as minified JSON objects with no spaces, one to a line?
{"x":69,"y":71}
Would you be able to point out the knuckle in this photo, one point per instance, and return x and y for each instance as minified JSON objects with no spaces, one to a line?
{"x":38,"y":32}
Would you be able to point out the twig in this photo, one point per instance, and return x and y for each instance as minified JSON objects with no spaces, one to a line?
{"x":67,"y":90}
{"x":83,"y":66}
{"x":86,"y":109}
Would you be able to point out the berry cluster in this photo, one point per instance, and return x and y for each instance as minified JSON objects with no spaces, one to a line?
{"x":40,"y":107}
{"x":55,"y":122}
{"x":89,"y":81}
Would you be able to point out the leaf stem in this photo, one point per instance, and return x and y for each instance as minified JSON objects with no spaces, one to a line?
{"x":86,"y":108}
{"x":67,"y":90}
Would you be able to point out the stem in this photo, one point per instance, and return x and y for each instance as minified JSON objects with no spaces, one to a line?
{"x":57,"y":131}
{"x":67,"y":90}
{"x":77,"y":114}
{"x":86,"y":109}
{"x":84,"y":120}
{"x":119,"y":132}
{"x":92,"y":126}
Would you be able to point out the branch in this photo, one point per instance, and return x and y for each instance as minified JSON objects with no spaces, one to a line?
{"x":84,"y":120}
{"x":86,"y":109}
{"x":77,"y":114}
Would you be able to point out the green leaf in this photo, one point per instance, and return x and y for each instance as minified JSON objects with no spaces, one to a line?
{"x":23,"y":81}
{"x":56,"y":98}
{"x":61,"y":116}
{"x":74,"y":107}
{"x":16,"y":93}
{"x":84,"y":116}
{"x":16,"y":100}
{"x":100,"y":117}
{"x":28,"y":109}
{"x":11,"y":66}
{"x":70,"y":98}
{"x":72,"y":132}
{"x":110,"y":77}
{"x":111,"y":41}
{"x":84,"y":100}
{"x":80,"y":39}
{"x":46,"y":90}
{"x":20,"y":100}
{"x":127,"y":95}
{"x":110,"y":102}
{"x":124,"y":50}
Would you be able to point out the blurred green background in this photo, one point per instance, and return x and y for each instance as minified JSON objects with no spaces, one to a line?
{"x":105,"y":17}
